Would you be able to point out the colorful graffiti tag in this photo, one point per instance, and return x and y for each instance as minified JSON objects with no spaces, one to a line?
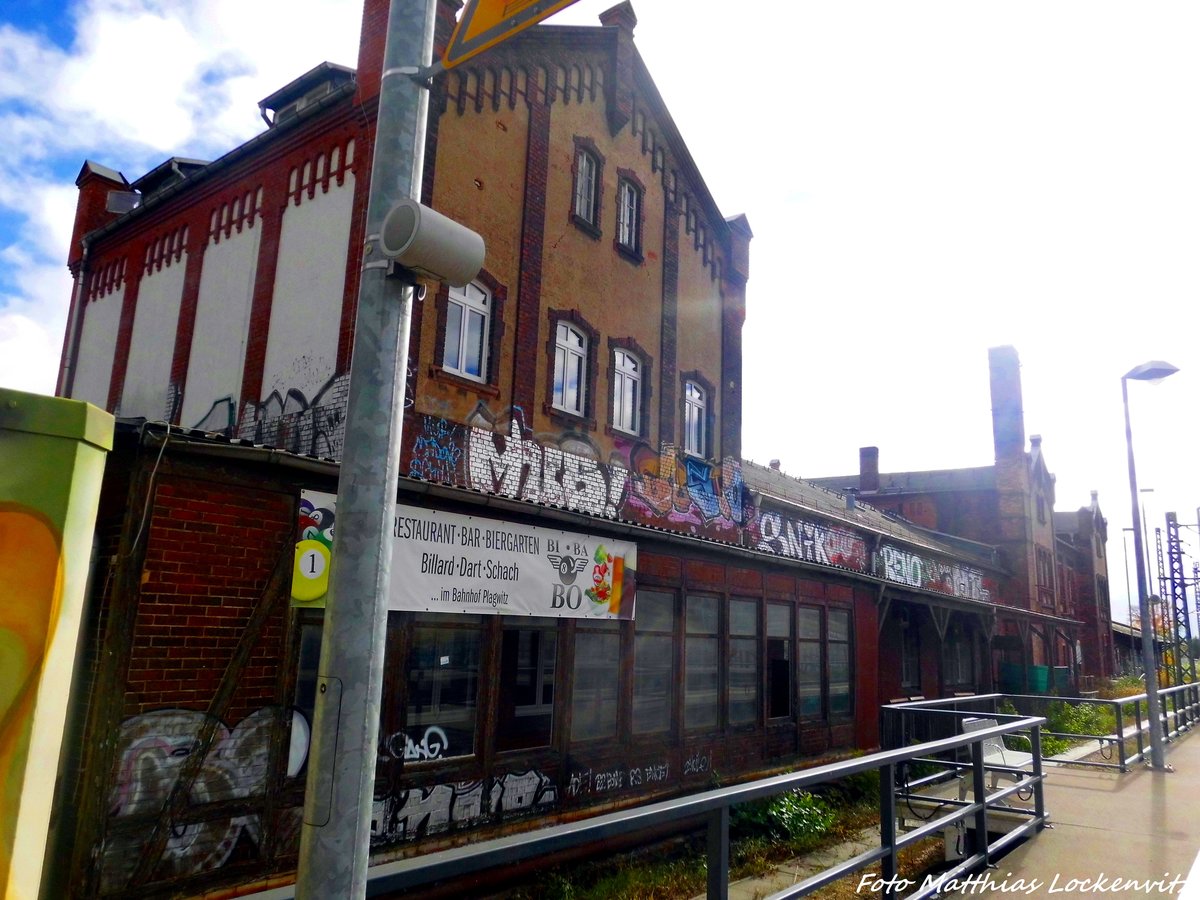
{"x":152,"y":749}
{"x":912,"y":569}
{"x":658,"y":487}
{"x":810,"y":541}
{"x":655,"y":487}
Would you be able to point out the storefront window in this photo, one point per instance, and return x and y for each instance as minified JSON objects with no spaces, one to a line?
{"x":743,"y":662}
{"x":702,"y":681}
{"x":527,"y":660}
{"x":779,"y":660}
{"x":653,"y":662}
{"x":808,"y":663}
{"x":443,"y":685}
{"x":596,"y":682}
{"x":840,"y":702}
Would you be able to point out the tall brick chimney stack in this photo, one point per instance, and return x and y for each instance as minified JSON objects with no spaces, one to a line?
{"x":1008,"y":412}
{"x":868,"y":468}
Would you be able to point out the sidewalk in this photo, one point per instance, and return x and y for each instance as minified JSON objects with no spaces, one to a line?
{"x":1143,"y":826}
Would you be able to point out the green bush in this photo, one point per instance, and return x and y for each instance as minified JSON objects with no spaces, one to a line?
{"x":795,"y":815}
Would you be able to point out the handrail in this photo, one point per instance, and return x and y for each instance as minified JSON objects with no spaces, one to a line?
{"x":1180,"y":710}
{"x":714,"y":805}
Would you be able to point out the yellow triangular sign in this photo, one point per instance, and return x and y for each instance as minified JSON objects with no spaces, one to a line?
{"x":485,"y":23}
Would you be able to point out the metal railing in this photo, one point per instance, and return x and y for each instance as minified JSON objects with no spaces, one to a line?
{"x":906,"y":722}
{"x":1180,"y":709}
{"x":713,"y":809}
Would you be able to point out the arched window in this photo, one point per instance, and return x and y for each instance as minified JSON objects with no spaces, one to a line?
{"x":627,"y":392}
{"x":695,"y":419}
{"x":587,"y":186}
{"x":570,"y":369}
{"x":468,"y":329}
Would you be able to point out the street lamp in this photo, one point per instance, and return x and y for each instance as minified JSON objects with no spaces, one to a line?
{"x":1153,"y":372}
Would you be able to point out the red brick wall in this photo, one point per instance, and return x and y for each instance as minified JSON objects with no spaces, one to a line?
{"x":210,"y":553}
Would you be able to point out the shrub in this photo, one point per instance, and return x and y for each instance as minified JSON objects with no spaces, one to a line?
{"x":795,"y":815}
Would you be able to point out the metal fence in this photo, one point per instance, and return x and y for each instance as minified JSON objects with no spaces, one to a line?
{"x":712,"y":809}
{"x":905,"y":723}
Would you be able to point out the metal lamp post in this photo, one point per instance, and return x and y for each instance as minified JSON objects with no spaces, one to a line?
{"x":1151,"y":371}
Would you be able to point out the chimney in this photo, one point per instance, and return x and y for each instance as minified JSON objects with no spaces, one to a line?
{"x":851,"y":500}
{"x":373,"y":42}
{"x":619,"y":90}
{"x":868,"y":469}
{"x":1008,"y":412}
{"x":775,"y":465}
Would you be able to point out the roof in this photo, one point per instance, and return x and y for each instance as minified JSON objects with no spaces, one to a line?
{"x":323,"y":73}
{"x":173,"y":171}
{"x":814,"y":497}
{"x":981,"y":478}
{"x":94,"y":168}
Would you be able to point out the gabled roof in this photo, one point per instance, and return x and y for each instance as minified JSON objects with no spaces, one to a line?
{"x":94,"y":168}
{"x":772,"y":484}
{"x":935,"y":481}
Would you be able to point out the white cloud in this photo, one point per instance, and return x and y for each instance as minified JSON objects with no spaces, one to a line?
{"x":143,"y":80}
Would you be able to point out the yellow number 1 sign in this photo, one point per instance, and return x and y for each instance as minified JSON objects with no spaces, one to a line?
{"x":485,"y":23}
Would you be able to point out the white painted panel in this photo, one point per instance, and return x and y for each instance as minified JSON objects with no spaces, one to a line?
{"x":147,"y":380}
{"x":306,"y":309}
{"x":214,"y":376}
{"x":97,"y":346}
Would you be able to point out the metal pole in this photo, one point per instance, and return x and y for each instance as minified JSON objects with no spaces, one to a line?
{"x":1139,"y":553}
{"x":335,"y":837}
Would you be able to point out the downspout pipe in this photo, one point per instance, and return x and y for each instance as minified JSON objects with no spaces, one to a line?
{"x":66,"y":372}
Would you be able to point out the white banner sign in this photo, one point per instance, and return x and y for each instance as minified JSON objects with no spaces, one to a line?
{"x":444,"y":562}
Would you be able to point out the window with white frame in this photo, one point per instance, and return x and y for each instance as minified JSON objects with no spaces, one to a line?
{"x":695,"y":419}
{"x":468,"y":327}
{"x":587,"y":182}
{"x":570,"y":368}
{"x":629,"y":202}
{"x":627,"y":392}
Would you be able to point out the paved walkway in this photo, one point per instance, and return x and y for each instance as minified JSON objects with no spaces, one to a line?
{"x":1143,"y":826}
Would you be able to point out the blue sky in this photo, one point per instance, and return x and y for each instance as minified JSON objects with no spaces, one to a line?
{"x":924,"y":179}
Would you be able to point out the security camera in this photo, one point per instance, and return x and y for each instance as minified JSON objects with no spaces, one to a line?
{"x":430,"y":244}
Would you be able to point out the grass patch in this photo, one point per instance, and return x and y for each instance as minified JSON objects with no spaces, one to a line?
{"x":762,"y":835}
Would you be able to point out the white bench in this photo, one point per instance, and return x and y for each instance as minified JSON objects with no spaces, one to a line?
{"x":994,"y":754}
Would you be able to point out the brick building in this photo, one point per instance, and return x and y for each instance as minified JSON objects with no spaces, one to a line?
{"x":1055,"y":567}
{"x":586,"y":387}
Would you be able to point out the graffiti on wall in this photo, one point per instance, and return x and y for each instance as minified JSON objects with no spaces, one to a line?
{"x":433,"y":744}
{"x":32,"y":563}
{"x":518,"y":466}
{"x":292,"y":421}
{"x":585,"y":782}
{"x":416,"y":812}
{"x":152,"y":749}
{"x":656,"y":487}
{"x":906,"y":567}
{"x":809,"y":541}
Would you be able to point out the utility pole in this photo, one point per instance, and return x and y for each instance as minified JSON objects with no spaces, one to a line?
{"x":336,"y":835}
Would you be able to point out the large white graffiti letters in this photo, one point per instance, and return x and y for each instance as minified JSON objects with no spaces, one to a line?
{"x":516,"y":466}
{"x":811,"y":542}
{"x":151,"y":751}
{"x":417,"y":812}
{"x":914,"y":570}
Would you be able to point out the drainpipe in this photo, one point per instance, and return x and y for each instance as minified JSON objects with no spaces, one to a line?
{"x":66,"y":373}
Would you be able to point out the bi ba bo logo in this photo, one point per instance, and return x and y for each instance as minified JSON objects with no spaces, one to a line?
{"x":568,"y":566}
{"x":603,"y":595}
